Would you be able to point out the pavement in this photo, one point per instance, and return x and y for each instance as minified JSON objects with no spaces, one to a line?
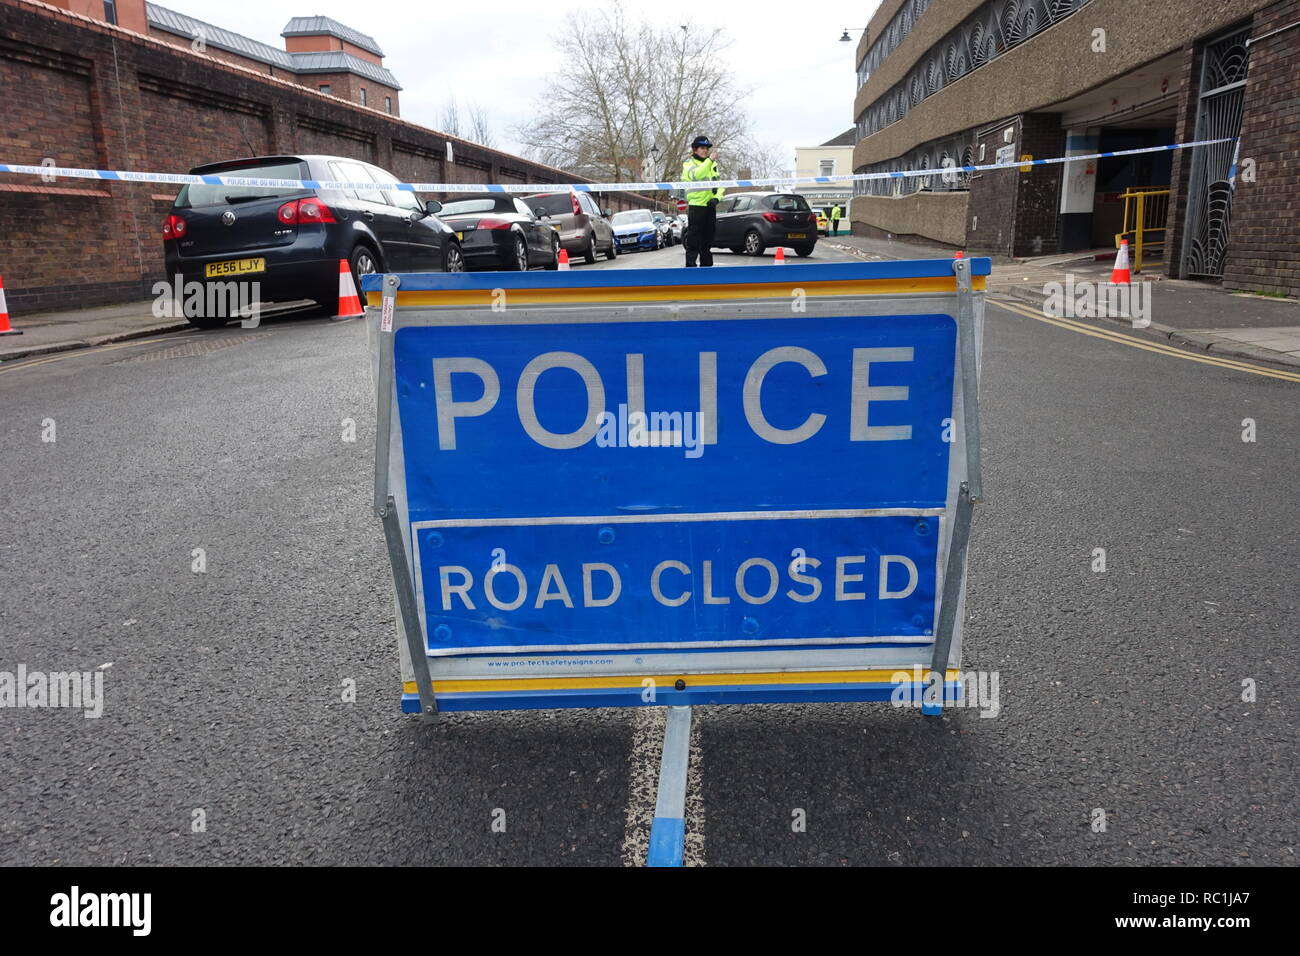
{"x":1196,"y":315}
{"x":251,"y":711}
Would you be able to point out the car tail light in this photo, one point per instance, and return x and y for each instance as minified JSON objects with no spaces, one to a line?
{"x":490,"y":223}
{"x":771,"y":217}
{"x":174,"y":227}
{"x":577,"y":209}
{"x":304,"y":211}
{"x":812,"y":217}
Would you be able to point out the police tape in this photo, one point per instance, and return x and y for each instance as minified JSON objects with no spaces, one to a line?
{"x":191,"y":179}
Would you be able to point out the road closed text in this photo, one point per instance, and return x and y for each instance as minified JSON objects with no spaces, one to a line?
{"x":589,"y":583}
{"x":674,"y":583}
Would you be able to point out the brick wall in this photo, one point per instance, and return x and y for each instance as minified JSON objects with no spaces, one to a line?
{"x":1038,"y":192}
{"x":1263,"y":251}
{"x":91,"y":95}
{"x":991,"y":212}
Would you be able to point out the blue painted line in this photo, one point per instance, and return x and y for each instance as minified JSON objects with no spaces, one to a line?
{"x":667,"y":842}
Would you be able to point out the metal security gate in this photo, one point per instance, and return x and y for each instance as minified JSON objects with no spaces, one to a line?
{"x":1209,"y":194}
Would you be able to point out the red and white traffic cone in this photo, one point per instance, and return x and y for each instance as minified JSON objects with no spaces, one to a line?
{"x":563,"y":259}
{"x":1120,"y":274}
{"x":780,"y":256}
{"x":349,"y":301}
{"x":4,"y":313}
{"x":959,"y":254}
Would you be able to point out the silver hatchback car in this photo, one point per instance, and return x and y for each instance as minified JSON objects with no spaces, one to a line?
{"x":583,"y":227}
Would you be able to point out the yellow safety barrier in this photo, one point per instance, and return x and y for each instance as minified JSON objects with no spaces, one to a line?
{"x":1144,"y":208}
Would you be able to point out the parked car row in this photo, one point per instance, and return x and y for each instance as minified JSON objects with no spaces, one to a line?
{"x":289,"y":239}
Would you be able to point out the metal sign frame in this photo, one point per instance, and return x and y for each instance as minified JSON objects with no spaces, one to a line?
{"x":474,"y":681}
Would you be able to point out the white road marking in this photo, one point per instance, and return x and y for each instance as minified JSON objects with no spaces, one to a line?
{"x":643,"y":781}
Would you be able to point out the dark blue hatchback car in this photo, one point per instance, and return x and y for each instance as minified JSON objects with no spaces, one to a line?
{"x":289,"y":240}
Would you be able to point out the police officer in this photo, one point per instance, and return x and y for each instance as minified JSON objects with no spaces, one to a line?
{"x":701,"y":204}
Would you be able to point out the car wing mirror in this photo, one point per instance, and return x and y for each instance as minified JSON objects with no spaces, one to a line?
{"x":432,"y":207}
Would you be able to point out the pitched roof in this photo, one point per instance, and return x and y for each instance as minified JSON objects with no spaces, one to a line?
{"x":314,"y":26}
{"x":336,"y":61}
{"x":331,"y":61}
{"x":847,"y":138}
{"x":185,"y":26}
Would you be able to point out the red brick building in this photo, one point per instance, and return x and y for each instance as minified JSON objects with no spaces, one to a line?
{"x":158,"y":91}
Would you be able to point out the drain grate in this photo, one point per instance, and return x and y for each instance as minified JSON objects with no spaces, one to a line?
{"x":198,"y":346}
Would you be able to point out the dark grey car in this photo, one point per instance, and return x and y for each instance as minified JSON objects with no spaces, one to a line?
{"x":750,"y":223}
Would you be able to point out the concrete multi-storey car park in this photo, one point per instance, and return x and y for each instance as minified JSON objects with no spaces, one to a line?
{"x":974,"y":81}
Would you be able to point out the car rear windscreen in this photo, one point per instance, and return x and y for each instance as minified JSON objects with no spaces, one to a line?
{"x":206,"y":195}
{"x":631,"y":216}
{"x":464,"y":207}
{"x":788,"y":203}
{"x":552,"y":204}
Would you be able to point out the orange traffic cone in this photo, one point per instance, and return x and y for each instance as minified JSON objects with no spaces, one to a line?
{"x":1120,"y":274}
{"x":563,"y":259}
{"x":4,"y":313}
{"x":780,"y":256}
{"x":959,"y":255}
{"x":349,"y":301}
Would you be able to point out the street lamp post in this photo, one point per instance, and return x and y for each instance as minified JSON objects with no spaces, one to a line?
{"x":656,"y":172}
{"x":845,"y":38}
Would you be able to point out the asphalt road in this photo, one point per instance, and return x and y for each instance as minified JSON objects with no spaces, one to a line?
{"x":224,"y":701}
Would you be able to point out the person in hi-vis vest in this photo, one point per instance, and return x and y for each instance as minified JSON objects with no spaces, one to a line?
{"x":701,"y":204}
{"x":836,"y":215}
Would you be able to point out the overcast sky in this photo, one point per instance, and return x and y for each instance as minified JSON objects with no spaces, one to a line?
{"x":494,"y":54}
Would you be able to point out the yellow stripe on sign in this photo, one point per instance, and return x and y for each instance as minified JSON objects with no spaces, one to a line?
{"x":774,"y":678}
{"x":1147,"y":346}
{"x":763,"y":290}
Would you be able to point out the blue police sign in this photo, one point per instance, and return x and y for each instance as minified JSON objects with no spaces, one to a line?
{"x":660,"y":465}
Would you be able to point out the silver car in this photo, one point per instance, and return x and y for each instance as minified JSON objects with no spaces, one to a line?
{"x":583,"y":226}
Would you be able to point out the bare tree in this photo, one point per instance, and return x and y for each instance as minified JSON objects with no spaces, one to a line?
{"x":480,"y":129}
{"x":449,"y":121}
{"x":625,"y":87}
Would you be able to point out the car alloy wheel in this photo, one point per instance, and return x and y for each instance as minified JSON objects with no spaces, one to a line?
{"x":753,"y":243}
{"x":455,"y":262}
{"x":521,"y":254}
{"x":363,"y":263}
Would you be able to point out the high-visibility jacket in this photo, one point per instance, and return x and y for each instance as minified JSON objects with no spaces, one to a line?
{"x":836,"y":212}
{"x":701,"y":170}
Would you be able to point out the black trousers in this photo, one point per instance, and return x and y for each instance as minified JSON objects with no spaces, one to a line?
{"x":701,"y":223}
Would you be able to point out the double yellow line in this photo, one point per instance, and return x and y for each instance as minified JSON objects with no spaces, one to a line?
{"x":1158,"y":348}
